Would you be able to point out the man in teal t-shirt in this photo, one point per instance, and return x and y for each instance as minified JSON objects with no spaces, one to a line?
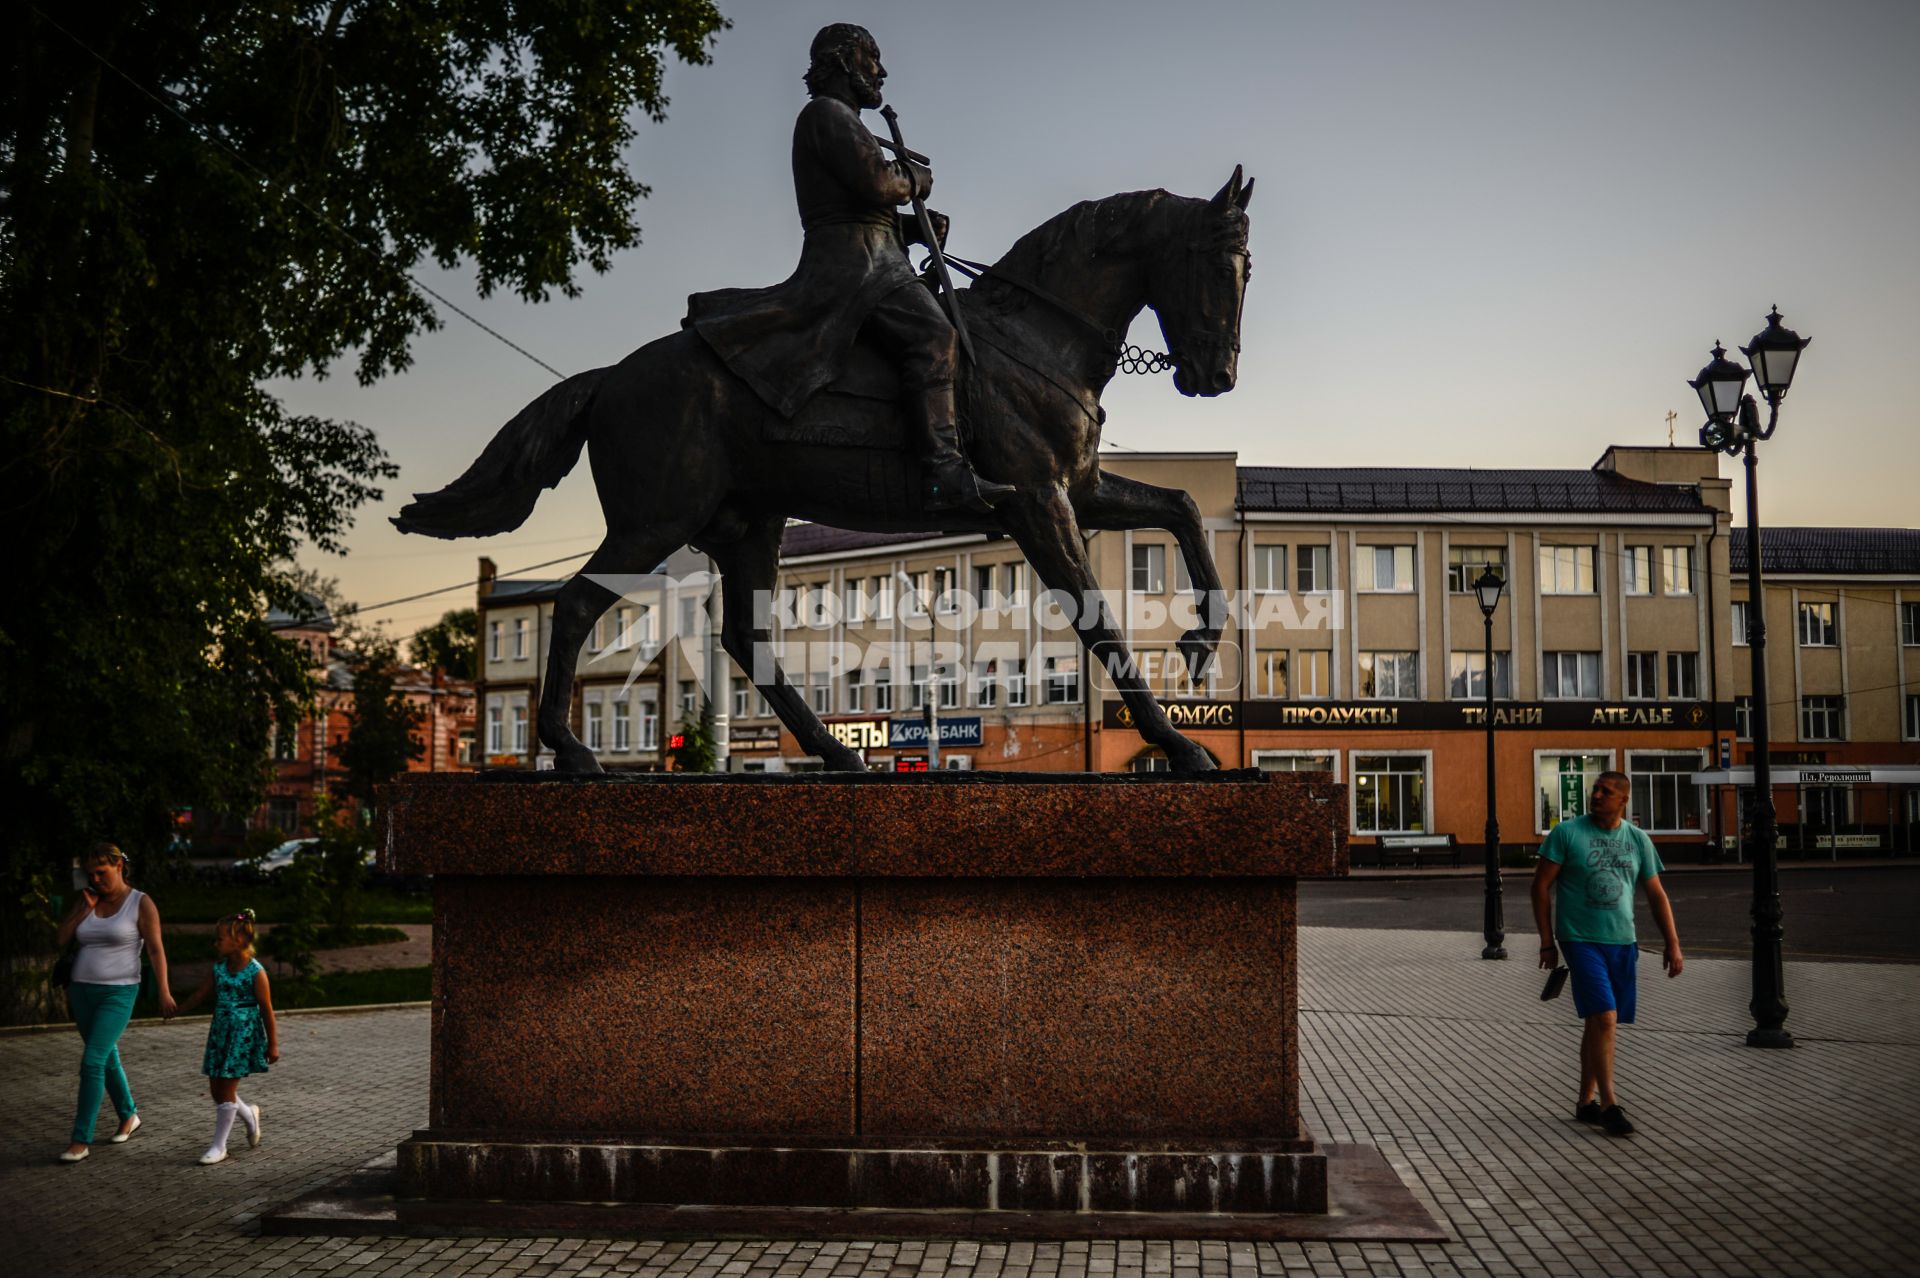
{"x":1589,"y":867}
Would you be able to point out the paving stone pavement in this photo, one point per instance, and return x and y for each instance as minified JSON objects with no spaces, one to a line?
{"x":1747,"y":1162}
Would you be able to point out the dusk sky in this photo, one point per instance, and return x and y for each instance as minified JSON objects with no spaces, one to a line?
{"x":1484,"y":234}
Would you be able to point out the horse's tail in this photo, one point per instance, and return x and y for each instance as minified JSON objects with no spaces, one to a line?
{"x":533,"y":451}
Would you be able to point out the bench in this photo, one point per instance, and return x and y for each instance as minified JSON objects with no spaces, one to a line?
{"x":1417,"y":850}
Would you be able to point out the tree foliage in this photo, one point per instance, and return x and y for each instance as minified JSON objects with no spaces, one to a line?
{"x":199,"y":197}
{"x":450,"y":643}
{"x":697,"y":750}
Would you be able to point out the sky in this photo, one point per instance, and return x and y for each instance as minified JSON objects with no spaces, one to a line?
{"x":1484,"y":233}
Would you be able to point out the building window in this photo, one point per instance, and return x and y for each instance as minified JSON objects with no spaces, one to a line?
{"x":1739,"y":623}
{"x":880,"y":591}
{"x":1390,"y":676}
{"x":1175,"y":675}
{"x":1570,"y":676}
{"x":466,"y":747}
{"x":762,"y":708}
{"x":496,"y":636}
{"x":596,"y":727}
{"x":947,"y":679}
{"x":1062,"y":680}
{"x":1016,"y":579}
{"x":856,"y":691}
{"x":1911,"y":718}
{"x":983,"y":588}
{"x":1270,"y":674}
{"x":1270,"y":569}
{"x":1910,"y":625}
{"x":1566,"y":570}
{"x":1312,"y":671}
{"x":1155,"y":762}
{"x":1466,"y":563}
{"x":597,"y":637}
{"x":742,"y":697}
{"x":986,"y":684}
{"x":689,"y":699}
{"x":1294,"y":761}
{"x":521,"y":629}
{"x":692,"y":613}
{"x":819,"y":692}
{"x":1743,"y":718}
{"x":496,"y":728}
{"x":1822,"y":718}
{"x":622,"y":726}
{"x":1683,"y":676}
{"x":1384,"y":569}
{"x":853,"y":602}
{"x":1816,"y":625}
{"x":1149,"y":570}
{"x":882,"y":677}
{"x":1016,"y":672}
{"x":520,"y":729}
{"x":286,"y":742}
{"x":1313,"y":569}
{"x":649,"y":720}
{"x":916,"y":687}
{"x":1676,"y":570}
{"x":1636,"y":570}
{"x":913,"y":601}
{"x":1389,"y":794}
{"x":1665,"y":799}
{"x":1563,"y":782}
{"x":1642,"y":669}
{"x":944,"y":601}
{"x":1467,"y":676}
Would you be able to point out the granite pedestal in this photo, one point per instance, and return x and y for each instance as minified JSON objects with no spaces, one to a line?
{"x":1051,"y":994}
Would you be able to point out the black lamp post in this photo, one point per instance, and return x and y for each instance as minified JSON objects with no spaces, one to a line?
{"x":1733,"y":427}
{"x":1487,"y":588}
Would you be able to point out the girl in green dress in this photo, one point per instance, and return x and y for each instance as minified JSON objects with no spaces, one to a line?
{"x":244,"y":1038}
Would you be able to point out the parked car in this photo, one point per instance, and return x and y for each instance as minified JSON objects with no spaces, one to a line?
{"x":276,"y":860}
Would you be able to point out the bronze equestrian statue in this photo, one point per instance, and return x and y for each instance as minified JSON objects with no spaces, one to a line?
{"x":785,"y":402}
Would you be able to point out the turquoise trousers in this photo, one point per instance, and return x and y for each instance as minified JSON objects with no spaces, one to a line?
{"x":102,"y":1013}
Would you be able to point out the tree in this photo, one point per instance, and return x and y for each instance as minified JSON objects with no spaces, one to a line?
{"x":692,"y":748}
{"x":200,"y":197}
{"x":381,"y":728}
{"x":450,"y":643}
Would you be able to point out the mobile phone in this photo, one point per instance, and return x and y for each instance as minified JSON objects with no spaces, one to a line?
{"x":1556,"y":981}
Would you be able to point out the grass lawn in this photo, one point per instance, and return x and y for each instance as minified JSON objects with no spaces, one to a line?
{"x":382,"y":985}
{"x":208,"y":903}
{"x":197,"y":947}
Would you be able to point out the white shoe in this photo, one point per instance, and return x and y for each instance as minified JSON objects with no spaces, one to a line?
{"x":121,"y":1138}
{"x":69,"y":1156}
{"x":253,"y":1132}
{"x":213,"y":1156}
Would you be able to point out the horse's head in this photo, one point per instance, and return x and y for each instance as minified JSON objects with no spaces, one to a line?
{"x":1196,"y":283}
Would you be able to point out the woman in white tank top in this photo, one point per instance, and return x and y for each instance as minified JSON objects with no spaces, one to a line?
{"x":112,"y":922}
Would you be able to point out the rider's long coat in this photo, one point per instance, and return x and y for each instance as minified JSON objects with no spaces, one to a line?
{"x":789,"y":340}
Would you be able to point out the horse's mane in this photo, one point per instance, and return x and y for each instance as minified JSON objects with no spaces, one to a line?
{"x":1116,"y":224}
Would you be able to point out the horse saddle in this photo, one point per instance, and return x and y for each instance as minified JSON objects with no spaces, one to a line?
{"x":861,"y":408}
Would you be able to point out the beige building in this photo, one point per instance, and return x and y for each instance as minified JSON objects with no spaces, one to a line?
{"x":1354,"y":644}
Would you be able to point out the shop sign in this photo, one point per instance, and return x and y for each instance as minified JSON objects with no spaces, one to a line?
{"x":859,"y":734}
{"x":760,"y":737}
{"x":1573,"y":789}
{"x":1835,"y":776}
{"x":1851,"y":841}
{"x":1559,"y":716}
{"x":911,"y":734}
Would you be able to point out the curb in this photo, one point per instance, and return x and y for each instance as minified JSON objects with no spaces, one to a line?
{"x":1409,"y":874}
{"x":56,"y":1027}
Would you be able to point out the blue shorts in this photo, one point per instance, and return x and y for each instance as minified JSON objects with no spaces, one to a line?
{"x":1602,"y":977}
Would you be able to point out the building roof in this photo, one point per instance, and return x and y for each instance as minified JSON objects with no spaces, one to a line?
{"x":309,"y":613}
{"x":1838,"y":551}
{"x":506,"y":589}
{"x":1413,"y":489}
{"x":819,"y":539}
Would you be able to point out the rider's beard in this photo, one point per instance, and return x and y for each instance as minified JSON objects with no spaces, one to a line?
{"x":866,"y":90}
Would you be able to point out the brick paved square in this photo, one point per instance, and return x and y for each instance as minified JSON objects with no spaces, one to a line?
{"x":1747,"y":1162}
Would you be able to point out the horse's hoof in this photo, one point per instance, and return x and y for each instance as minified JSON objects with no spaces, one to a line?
{"x":576,"y":761}
{"x":1197,"y":651}
{"x":842,"y":760}
{"x":1188,"y":759}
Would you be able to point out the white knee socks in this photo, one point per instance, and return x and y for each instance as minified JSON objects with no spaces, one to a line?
{"x":245,"y":1112}
{"x":222,"y":1127}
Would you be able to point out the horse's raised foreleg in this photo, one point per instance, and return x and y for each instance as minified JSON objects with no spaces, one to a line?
{"x":1043,"y":524}
{"x":575,"y":609}
{"x":1119,"y":503}
{"x":749,"y":570}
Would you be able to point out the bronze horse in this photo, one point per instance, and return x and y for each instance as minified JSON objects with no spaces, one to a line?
{"x":682,"y":454}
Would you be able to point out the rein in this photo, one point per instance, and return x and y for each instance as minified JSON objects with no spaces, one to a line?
{"x":1126,"y":357}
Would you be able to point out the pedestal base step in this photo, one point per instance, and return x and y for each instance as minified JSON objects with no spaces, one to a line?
{"x":941,"y":1179}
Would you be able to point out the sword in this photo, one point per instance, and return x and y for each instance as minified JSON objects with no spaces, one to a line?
{"x":947,"y":294}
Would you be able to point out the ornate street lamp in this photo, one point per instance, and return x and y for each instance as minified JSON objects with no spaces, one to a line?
{"x":1733,"y":427}
{"x":1487,"y":588}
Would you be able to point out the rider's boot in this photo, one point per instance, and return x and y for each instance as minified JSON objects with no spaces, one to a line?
{"x":950,"y":482}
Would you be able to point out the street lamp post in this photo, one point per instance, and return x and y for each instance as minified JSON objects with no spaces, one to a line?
{"x":1487,"y":588}
{"x":1733,"y":427}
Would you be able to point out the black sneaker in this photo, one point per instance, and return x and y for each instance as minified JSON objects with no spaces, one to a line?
{"x":1588,"y":1112}
{"x":1614,"y":1119}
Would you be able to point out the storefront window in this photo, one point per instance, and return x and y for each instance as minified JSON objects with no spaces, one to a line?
{"x":1292,"y":761}
{"x":1389,"y":794}
{"x":1563,"y":782}
{"x":1665,"y":799}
